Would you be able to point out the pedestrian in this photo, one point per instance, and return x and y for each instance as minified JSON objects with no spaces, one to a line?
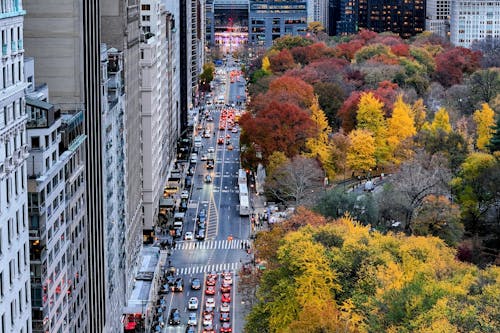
{"x":241,"y":244}
{"x":170,"y":263}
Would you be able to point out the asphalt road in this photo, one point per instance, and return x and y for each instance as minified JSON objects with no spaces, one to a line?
{"x":220,"y":199}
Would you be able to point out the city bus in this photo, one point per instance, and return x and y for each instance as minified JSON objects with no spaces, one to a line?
{"x":244,"y":200}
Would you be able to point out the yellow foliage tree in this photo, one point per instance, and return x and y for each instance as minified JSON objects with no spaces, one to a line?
{"x":400,"y":127}
{"x":441,"y":121}
{"x":361,"y":152}
{"x":370,"y":116}
{"x":276,"y":159}
{"x":266,"y":64}
{"x":485,"y":120}
{"x":320,"y":146}
{"x":419,"y":113}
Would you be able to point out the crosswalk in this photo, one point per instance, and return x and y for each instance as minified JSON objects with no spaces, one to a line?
{"x":198,"y":269}
{"x":221,"y":244}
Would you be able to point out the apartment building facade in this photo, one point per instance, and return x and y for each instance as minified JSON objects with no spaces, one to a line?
{"x":15,"y":304}
{"x":64,"y":38}
{"x":474,"y":20}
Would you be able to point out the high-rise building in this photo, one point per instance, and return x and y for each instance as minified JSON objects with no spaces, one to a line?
{"x":437,"y":19}
{"x":157,"y":113}
{"x":15,"y":305}
{"x":269,"y":20}
{"x":123,"y":34}
{"x":56,"y":210}
{"x":64,"y":38}
{"x":317,"y":11}
{"x":406,"y":18}
{"x":192,"y":56}
{"x":474,"y":20}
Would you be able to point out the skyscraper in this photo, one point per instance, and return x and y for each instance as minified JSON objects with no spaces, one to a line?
{"x":64,"y":38}
{"x":15,"y":313}
{"x":437,"y":19}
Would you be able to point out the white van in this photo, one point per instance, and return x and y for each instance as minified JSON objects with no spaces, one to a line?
{"x":197,"y":141}
{"x":194,"y":158}
{"x":178,"y":225}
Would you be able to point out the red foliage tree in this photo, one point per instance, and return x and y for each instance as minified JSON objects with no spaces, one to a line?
{"x":281,"y":61}
{"x":387,"y":92}
{"x":366,"y":35}
{"x":401,"y":50}
{"x":290,"y":89}
{"x":451,"y":64}
{"x":279,"y":127}
{"x":348,"y":110}
{"x":347,"y":50}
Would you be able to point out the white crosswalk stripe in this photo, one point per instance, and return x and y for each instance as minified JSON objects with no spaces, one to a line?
{"x":212,"y":244}
{"x":199,"y":269}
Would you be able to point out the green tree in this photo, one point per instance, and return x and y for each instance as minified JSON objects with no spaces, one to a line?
{"x":494,"y":144}
{"x":476,"y":188}
{"x":207,"y":76}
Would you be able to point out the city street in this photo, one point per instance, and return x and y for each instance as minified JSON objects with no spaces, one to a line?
{"x":226,"y":232}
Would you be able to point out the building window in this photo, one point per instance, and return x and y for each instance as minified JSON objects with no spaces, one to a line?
{"x":146,"y":7}
{"x":35,"y":142}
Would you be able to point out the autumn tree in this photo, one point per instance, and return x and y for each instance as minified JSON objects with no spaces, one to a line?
{"x":345,"y":277}
{"x":361,"y":152}
{"x":441,"y":122}
{"x":266,"y":64}
{"x":280,"y":127}
{"x":370,"y":117}
{"x":288,"y":89}
{"x":289,"y":42}
{"x":275,"y":160}
{"x":419,"y":113}
{"x":439,"y":217}
{"x":281,"y":61}
{"x":330,"y":98}
{"x":348,"y":110}
{"x":302,"y":217}
{"x":485,"y":120}
{"x":340,"y":147}
{"x":296,"y":182}
{"x":400,"y":127}
{"x":453,"y":63}
{"x":319,"y":146}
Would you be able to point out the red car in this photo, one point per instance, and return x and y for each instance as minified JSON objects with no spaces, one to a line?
{"x":210,"y":281}
{"x":220,"y":141}
{"x":226,"y":328}
{"x":210,"y":290}
{"x":226,"y":298}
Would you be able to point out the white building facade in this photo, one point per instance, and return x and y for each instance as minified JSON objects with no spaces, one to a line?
{"x":158,"y":104}
{"x":317,"y":11}
{"x":113,"y":138}
{"x":56,"y":211}
{"x":15,"y":299}
{"x":473,"y":20}
{"x":437,"y":18}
